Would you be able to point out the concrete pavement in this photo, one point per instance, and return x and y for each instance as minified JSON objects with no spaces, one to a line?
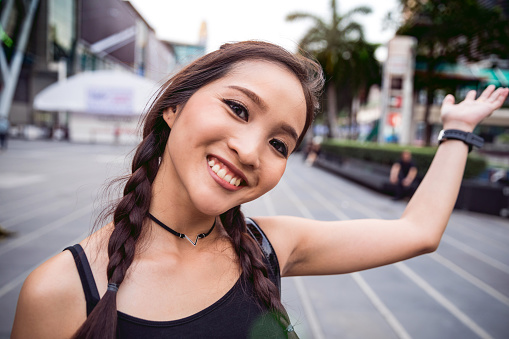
{"x":48,"y":196}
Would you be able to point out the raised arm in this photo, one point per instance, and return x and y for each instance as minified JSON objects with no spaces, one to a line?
{"x":306,"y":247}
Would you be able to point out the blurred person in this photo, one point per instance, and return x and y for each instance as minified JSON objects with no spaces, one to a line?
{"x":179,"y":259}
{"x":4,"y":133}
{"x":313,"y":150}
{"x":403,"y":173}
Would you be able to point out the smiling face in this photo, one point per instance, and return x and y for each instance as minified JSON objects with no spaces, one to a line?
{"x":230,"y":142}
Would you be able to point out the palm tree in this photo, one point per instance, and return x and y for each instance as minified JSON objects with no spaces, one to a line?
{"x":347,"y":59}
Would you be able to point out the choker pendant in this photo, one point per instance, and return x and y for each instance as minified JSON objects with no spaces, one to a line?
{"x":182,"y":235}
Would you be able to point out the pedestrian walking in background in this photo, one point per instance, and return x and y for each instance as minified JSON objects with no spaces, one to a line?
{"x":179,"y":259}
{"x":4,"y":133}
{"x":403,"y":173}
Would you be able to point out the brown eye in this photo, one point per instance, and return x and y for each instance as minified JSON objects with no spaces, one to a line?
{"x":279,"y":146}
{"x":237,"y":109}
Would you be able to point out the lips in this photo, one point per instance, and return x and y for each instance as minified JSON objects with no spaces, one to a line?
{"x":224,"y":172}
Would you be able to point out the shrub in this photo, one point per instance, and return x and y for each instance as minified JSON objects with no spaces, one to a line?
{"x":390,"y":153}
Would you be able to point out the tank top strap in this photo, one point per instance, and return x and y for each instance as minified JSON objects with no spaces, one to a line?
{"x":87,"y":278}
{"x":269,"y":255}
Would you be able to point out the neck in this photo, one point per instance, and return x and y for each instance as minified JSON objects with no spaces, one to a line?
{"x":182,"y":235}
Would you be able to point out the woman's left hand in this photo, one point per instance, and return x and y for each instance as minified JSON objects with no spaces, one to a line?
{"x":468,"y":113}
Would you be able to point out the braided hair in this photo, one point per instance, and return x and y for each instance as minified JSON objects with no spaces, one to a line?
{"x":131,"y":211}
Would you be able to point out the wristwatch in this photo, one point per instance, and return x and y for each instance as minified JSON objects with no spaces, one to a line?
{"x":468,"y":138}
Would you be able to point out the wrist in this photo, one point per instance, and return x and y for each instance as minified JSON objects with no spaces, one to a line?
{"x":468,"y":138}
{"x":459,"y":125}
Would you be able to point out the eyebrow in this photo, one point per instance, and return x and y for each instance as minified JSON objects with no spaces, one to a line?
{"x":251,"y":95}
{"x":257,"y":100}
{"x":291,"y":131}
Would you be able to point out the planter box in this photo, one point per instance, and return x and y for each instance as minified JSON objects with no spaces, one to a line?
{"x":369,"y":174}
{"x":482,"y":197}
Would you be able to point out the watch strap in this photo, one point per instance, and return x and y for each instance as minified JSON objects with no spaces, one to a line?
{"x":468,"y":138}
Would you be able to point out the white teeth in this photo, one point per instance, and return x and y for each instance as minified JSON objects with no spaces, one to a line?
{"x":221,"y":173}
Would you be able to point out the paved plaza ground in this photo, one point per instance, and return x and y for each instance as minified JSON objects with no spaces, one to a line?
{"x":48,"y":197}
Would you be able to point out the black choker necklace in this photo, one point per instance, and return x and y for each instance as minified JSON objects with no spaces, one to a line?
{"x":182,"y":235}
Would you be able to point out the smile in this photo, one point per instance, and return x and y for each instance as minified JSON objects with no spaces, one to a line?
{"x":223,"y":172}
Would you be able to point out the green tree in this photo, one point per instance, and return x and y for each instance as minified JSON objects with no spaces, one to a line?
{"x":348,"y":61}
{"x":448,"y":30}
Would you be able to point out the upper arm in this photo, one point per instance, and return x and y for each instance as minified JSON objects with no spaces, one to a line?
{"x":51,"y":303}
{"x":310,"y":247}
{"x":395,"y":169}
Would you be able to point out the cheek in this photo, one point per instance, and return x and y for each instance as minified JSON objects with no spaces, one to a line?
{"x":272,"y":176}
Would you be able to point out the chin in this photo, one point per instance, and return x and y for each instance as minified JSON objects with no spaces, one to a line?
{"x":212,"y":207}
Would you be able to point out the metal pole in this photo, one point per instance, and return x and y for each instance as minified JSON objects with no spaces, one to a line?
{"x":4,"y":67}
{"x":7,"y":11}
{"x":10,"y":85}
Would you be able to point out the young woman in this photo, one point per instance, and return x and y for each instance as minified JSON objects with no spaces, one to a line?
{"x":179,"y":259}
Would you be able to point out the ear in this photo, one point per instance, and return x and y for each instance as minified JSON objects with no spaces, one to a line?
{"x":169,"y":115}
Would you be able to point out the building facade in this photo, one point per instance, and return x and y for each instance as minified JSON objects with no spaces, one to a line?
{"x":72,"y":36}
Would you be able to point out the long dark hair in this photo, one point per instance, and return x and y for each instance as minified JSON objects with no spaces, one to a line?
{"x":130,"y":213}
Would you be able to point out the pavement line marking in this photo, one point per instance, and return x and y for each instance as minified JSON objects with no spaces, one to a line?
{"x":389,"y":317}
{"x":65,"y":220}
{"x":269,"y":205}
{"x":326,"y":203}
{"x":345,"y":198}
{"x":299,"y":284}
{"x":311,"y":316}
{"x":26,"y":203}
{"x":499,"y":243}
{"x":296,"y":201}
{"x":470,"y":278}
{"x":476,"y":253}
{"x":380,"y":307}
{"x":469,"y":250}
{"x":21,"y":278}
{"x":35,"y":212}
{"x":438,"y":297}
{"x":308,"y":308}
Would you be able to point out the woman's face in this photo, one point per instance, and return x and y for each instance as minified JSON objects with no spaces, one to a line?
{"x":230,"y":142}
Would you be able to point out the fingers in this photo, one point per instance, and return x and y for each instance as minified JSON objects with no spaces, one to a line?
{"x":498,"y":97}
{"x":448,"y":100}
{"x":471,"y":95}
{"x":487,"y":92}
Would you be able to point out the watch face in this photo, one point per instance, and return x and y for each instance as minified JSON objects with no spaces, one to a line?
{"x":441,"y":135}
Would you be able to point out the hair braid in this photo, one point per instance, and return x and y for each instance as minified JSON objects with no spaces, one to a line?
{"x":131,"y":211}
{"x":128,"y":219}
{"x":253,"y":266}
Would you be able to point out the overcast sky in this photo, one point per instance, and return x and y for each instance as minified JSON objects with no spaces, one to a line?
{"x":236,"y":20}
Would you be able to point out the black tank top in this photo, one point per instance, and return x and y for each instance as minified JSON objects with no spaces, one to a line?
{"x":236,"y":315}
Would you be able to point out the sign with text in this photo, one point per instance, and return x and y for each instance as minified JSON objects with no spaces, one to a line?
{"x":118,"y":101}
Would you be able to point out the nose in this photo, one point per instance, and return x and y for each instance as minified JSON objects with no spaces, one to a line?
{"x":247,"y":146}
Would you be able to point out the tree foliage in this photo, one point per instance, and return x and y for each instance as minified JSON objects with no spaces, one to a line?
{"x":348,"y":61}
{"x":448,"y":31}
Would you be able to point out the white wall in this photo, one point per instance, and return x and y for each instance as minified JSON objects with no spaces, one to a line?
{"x":89,"y":128}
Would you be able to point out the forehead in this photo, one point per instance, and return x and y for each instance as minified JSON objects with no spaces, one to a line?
{"x":276,"y":86}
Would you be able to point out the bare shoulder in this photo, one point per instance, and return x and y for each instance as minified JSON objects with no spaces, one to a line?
{"x":51,"y":302}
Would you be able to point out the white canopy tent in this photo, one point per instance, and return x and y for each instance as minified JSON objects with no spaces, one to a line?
{"x":105,"y":105}
{"x":98,"y":92}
